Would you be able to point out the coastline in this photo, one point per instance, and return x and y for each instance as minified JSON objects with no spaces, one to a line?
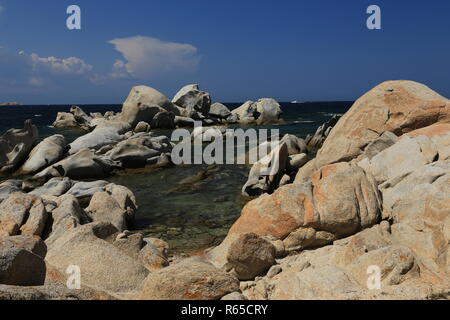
{"x":320,"y":215}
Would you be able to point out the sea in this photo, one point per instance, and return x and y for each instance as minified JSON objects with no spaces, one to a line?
{"x":191,"y":206}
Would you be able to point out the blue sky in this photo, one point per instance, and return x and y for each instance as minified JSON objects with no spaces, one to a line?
{"x":235,"y":49}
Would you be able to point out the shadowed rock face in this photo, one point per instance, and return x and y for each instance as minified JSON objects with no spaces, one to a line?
{"x":15,"y":146}
{"x":192,"y":99}
{"x":19,"y":265}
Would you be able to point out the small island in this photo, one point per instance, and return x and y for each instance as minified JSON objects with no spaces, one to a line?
{"x":9,"y":104}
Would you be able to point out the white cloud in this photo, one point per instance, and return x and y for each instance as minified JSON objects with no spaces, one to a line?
{"x":31,"y":70}
{"x":148,"y":57}
{"x":2,"y":9}
{"x":71,"y":65}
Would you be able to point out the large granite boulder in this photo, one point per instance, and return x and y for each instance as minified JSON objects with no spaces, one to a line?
{"x":33,"y":244}
{"x":340,"y":200}
{"x":402,"y":158}
{"x":102,"y":264}
{"x":15,"y":145}
{"x":163,"y":120}
{"x":54,"y":187}
{"x":120,"y":126}
{"x":264,"y":111}
{"x":250,"y":256}
{"x":75,"y":119}
{"x":104,"y":208}
{"x":66,"y":120}
{"x":143,"y":249}
{"x":96,"y":139}
{"x":395,"y":106}
{"x":46,"y":153}
{"x":22,"y":213}
{"x":190,"y":279}
{"x":139,"y":150}
{"x":265,"y":175}
{"x":219,"y":110}
{"x":192,"y":99}
{"x":83,"y":165}
{"x":67,"y":215}
{"x":143,"y":103}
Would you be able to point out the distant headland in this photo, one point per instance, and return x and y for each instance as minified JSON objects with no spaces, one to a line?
{"x":3,"y":104}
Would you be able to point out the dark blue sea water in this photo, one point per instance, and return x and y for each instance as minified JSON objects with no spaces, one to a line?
{"x":190,"y":216}
{"x":301,"y":118}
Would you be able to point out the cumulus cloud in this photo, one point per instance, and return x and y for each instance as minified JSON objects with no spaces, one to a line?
{"x":149,"y":58}
{"x":71,"y":65}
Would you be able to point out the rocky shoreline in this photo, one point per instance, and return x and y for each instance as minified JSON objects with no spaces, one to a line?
{"x":376,"y":194}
